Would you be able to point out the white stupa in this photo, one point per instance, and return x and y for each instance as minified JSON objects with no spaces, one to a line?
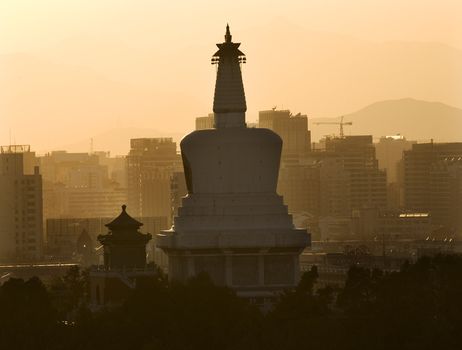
{"x":232,"y":224}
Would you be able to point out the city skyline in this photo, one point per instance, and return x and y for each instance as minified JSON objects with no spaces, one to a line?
{"x":306,"y":227}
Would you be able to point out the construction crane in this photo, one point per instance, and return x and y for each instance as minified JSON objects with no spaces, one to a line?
{"x":341,"y":123}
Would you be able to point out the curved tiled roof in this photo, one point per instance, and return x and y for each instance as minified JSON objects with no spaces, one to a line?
{"x":124,"y":221}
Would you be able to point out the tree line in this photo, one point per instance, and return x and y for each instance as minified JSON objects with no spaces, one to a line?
{"x":418,"y":307}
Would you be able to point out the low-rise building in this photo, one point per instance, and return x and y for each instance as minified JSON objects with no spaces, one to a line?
{"x":124,"y":264}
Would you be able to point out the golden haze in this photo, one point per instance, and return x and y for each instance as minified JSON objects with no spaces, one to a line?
{"x":70,"y":70}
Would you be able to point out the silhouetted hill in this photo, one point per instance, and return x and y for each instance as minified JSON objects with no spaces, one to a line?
{"x":414,"y":119}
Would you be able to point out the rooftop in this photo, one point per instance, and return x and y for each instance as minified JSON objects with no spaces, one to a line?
{"x":124,"y":221}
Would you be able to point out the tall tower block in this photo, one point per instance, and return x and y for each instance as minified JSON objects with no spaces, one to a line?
{"x":232,"y":223}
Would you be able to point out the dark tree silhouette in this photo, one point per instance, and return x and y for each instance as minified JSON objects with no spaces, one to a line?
{"x":419,"y":307}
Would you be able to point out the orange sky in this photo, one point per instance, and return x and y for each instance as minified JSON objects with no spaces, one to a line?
{"x":77,"y":68}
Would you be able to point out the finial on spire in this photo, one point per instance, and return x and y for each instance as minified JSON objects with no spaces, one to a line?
{"x":228,"y":35}
{"x":124,"y":207}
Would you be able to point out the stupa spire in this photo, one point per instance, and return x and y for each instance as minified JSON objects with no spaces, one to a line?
{"x":228,"y":36}
{"x":229,"y":103}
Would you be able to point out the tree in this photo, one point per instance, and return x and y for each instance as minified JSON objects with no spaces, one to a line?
{"x":70,"y":292}
{"x":27,"y":318}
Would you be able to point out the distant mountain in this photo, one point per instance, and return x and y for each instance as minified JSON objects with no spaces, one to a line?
{"x":414,"y":119}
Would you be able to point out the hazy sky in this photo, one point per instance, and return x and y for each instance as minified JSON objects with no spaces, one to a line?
{"x":156,"y":54}
{"x":26,"y":24}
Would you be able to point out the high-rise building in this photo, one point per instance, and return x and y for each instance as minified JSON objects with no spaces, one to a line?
{"x":74,"y":170}
{"x":446,"y":194}
{"x":333,"y":182}
{"x":293,"y":129}
{"x":232,"y":224}
{"x":417,"y":165}
{"x":367,"y":183}
{"x":21,"y":212}
{"x":151,"y":163}
{"x":116,"y":168}
{"x":334,"y":189}
{"x":91,"y":203}
{"x":205,"y":122}
{"x":298,"y":183}
{"x":389,"y":152}
{"x":432,"y":182}
{"x":295,"y":175}
{"x":29,"y":160}
{"x":82,"y":184}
